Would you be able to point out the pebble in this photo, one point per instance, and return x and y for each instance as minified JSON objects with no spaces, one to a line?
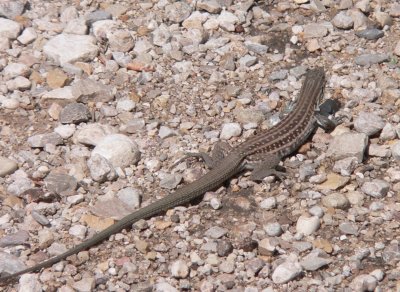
{"x":74,"y":113}
{"x":370,"y":33}
{"x":216,"y":232}
{"x":7,"y":166}
{"x":307,"y":225}
{"x":41,"y":140}
{"x":273,"y":229}
{"x":130,"y":196}
{"x":376,"y":188}
{"x":70,"y":48}
{"x":85,"y":285}
{"x":286,"y":272}
{"x":313,"y":262}
{"x":348,"y":228}
{"x":78,"y":231}
{"x":343,"y":20}
{"x":370,"y":59}
{"x":179,"y":269}
{"x":118,"y":149}
{"x":230,"y":130}
{"x":348,"y":145}
{"x":268,"y":203}
{"x":9,"y":29}
{"x":345,"y":166}
{"x":335,"y":200}
{"x":396,"y":151}
{"x":368,"y":123}
{"x":363,"y":283}
{"x":18,"y":238}
{"x":170,"y":181}
{"x":29,"y":283}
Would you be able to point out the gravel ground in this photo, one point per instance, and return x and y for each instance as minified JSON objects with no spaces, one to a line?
{"x":100,"y":99}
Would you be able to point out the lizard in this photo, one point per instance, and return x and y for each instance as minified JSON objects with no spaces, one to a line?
{"x":260,"y":153}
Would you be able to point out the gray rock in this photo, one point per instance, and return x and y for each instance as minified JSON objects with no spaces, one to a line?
{"x":91,"y":134}
{"x":273,"y":229}
{"x":61,"y":95}
{"x":212,"y":6}
{"x":278,"y":75}
{"x":78,"y":231}
{"x":343,"y":20}
{"x":379,"y":150}
{"x":12,"y":8}
{"x":368,"y":123}
{"x":40,"y":141}
{"x":170,"y":181}
{"x":370,"y":33}
{"x":369,"y":59}
{"x":253,"y":266}
{"x":166,"y":132}
{"x":230,"y":130}
{"x":348,"y":228}
{"x":28,"y":35}
{"x":336,"y":200}
{"x":345,"y":166}
{"x":61,"y":184}
{"x":121,"y":40}
{"x":130,"y":196}
{"x":118,"y":149}
{"x":19,"y":238}
{"x":376,"y":188}
{"x":9,"y":29}
{"x":396,"y":151}
{"x":256,"y":47}
{"x":216,"y":232}
{"x":179,"y":269}
{"x":161,"y":35}
{"x":388,"y":132}
{"x":248,"y":61}
{"x":75,"y":113}
{"x":70,"y":48}
{"x":286,"y":272}
{"x":87,"y":284}
{"x":89,"y":90}
{"x":391,"y":253}
{"x":348,"y":145}
{"x":248,"y":115}
{"x":363,"y":283}
{"x":178,"y":11}
{"x":224,"y":248}
{"x":315,"y":30}
{"x":268,"y":203}
{"x":7,"y":166}
{"x":10,"y":264}
{"x":394,"y":10}
{"x":100,"y":168}
{"x":13,"y":70}
{"x":306,"y":170}
{"x":307,"y":225}
{"x":313,"y":262}
{"x":96,"y":16}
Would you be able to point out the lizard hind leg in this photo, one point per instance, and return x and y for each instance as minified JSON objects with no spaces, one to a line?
{"x":266,"y":165}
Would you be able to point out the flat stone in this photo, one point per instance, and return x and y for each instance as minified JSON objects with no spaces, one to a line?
{"x":70,"y":48}
{"x":348,"y":145}
{"x":40,"y":141}
{"x":369,"y":59}
{"x":119,"y":149}
{"x":75,"y":113}
{"x":9,"y":29}
{"x":7,"y":166}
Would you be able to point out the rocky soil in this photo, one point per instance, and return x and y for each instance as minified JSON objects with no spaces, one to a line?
{"x":99,"y":100}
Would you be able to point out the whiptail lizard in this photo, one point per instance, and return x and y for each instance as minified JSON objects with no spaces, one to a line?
{"x":260,"y":153}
